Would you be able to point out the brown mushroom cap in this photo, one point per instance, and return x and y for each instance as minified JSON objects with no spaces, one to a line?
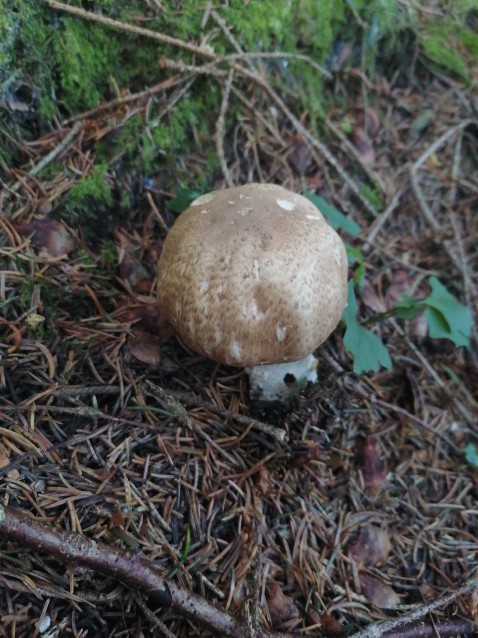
{"x":252,"y":275}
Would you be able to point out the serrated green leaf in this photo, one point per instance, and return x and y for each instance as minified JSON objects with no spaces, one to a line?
{"x":447,"y":317}
{"x":183,"y":198}
{"x":334,"y":216}
{"x":438,"y":327}
{"x":367,"y":349}
{"x":471,"y":454}
{"x":407,"y":307}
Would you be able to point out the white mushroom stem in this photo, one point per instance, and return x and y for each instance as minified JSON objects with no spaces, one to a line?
{"x":280,"y":381}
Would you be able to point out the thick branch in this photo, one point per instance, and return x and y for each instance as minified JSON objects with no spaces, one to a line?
{"x":131,"y":568}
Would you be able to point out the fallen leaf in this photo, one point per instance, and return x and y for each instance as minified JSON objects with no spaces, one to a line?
{"x":300,"y":158}
{"x":372,"y":299}
{"x":130,"y":266}
{"x":379,"y":593}
{"x":401,"y":283}
{"x":330,"y":625}
{"x":50,"y":236}
{"x":147,"y":317}
{"x":428,"y":592}
{"x":372,"y":466}
{"x":371,"y":547}
{"x":145,"y":347}
{"x":265,"y":481}
{"x":364,"y":146}
{"x":4,"y":459}
{"x":281,"y":607}
{"x":304,"y":452}
{"x":368,"y":119}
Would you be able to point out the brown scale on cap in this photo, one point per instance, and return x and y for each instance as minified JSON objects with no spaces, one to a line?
{"x":252,"y":275}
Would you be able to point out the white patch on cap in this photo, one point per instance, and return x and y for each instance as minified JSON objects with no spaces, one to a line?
{"x":220,"y":289}
{"x":205,"y":211}
{"x":218,"y":335}
{"x":245,"y":210}
{"x":338,"y":255}
{"x":286,"y":204}
{"x":204,"y":287}
{"x":244,"y":309}
{"x":281,"y":332}
{"x":235,"y":350}
{"x":256,"y":270}
{"x":254,"y":309}
{"x":316,"y":217}
{"x":231,"y":202}
{"x":204,"y":199}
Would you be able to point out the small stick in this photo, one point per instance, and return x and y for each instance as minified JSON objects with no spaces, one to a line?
{"x":220,"y":131}
{"x":276,"y":433}
{"x":382,"y":628}
{"x":130,"y":567}
{"x":427,"y":211}
{"x":59,"y":148}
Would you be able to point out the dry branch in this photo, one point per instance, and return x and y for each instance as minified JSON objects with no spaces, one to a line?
{"x":129,"y":567}
{"x":384,"y":628}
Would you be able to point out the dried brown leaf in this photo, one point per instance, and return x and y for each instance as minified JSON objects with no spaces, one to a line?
{"x":372,"y":466}
{"x":372,"y":299}
{"x":305,"y":452}
{"x":371,"y":547}
{"x":145,"y":347}
{"x":300,"y":158}
{"x":147,"y":317}
{"x":428,"y":592}
{"x":330,"y":625}
{"x":368,"y":119}
{"x":281,"y":607}
{"x":49,"y":235}
{"x":379,"y":593}
{"x":364,"y":146}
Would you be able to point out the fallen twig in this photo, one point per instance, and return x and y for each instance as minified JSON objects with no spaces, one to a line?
{"x":383,"y":629}
{"x":129,"y":567}
{"x":454,"y":627}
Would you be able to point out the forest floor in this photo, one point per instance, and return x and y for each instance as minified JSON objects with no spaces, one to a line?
{"x":355,"y":505}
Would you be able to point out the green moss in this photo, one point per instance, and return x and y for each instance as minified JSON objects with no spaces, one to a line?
{"x":440,"y":43}
{"x":90,"y":198}
{"x":372,"y":196}
{"x":87,"y":56}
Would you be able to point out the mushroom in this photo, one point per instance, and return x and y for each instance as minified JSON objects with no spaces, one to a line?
{"x":253,"y":276}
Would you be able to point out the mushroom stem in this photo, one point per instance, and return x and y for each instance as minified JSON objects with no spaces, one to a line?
{"x":281,"y":381}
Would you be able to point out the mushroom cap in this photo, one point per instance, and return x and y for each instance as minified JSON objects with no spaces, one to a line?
{"x":252,"y":275}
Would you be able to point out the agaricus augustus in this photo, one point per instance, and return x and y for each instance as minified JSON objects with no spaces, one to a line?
{"x":254,"y":276}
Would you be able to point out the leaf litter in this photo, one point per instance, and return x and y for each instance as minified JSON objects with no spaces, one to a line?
{"x":353,"y":504}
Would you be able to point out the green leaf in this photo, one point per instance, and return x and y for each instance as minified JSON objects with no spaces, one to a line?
{"x":471,"y":454}
{"x":355,"y":255}
{"x":367,"y":349}
{"x":184,"y":198}
{"x":447,"y":317}
{"x":333,"y":215}
{"x":407,"y":307}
